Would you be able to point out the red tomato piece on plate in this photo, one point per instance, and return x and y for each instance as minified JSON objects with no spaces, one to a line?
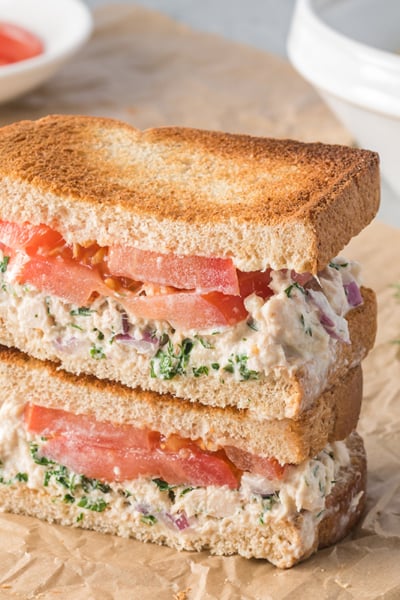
{"x":16,"y":43}
{"x":198,"y":273}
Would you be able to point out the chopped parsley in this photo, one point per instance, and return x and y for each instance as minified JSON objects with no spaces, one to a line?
{"x":4,"y":264}
{"x":338,"y":266}
{"x":21,"y":477}
{"x":82,"y":311}
{"x":307,"y":328}
{"x":198,"y":371}
{"x":163,"y":486}
{"x":296,"y":286}
{"x":100,"y":334}
{"x":215,"y":366}
{"x":238,"y":363}
{"x":171,"y":361}
{"x":204,"y":343}
{"x":268,"y":503}
{"x":252,"y":324}
{"x":97,"y":352}
{"x":148,"y":519}
{"x":96,"y":506}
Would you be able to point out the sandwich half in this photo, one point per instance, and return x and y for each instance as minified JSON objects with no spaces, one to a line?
{"x":87,"y":453}
{"x":190,"y":262}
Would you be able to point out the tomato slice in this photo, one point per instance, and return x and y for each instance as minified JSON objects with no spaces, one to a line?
{"x":119,"y":452}
{"x":18,"y":44}
{"x":198,"y":273}
{"x":185,"y":310}
{"x":32,"y":239}
{"x":50,"y":422}
{"x":255,"y":282}
{"x":245,"y":461}
{"x":62,"y":277}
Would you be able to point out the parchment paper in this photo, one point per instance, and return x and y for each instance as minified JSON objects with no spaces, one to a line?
{"x":148,"y":70}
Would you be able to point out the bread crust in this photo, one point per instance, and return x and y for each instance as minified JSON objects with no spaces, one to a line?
{"x":332,"y":417}
{"x":283,"y":394}
{"x":283,"y":542}
{"x":264,"y":202}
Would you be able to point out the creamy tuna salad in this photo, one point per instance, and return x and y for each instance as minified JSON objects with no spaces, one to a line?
{"x":302,"y":317}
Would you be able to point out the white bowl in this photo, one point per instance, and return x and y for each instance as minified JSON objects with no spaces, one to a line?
{"x":62,"y":25}
{"x":347,"y":49}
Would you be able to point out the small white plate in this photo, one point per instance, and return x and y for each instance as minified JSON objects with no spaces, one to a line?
{"x":62,"y":25}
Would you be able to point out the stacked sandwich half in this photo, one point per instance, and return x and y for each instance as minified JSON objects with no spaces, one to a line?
{"x":181,"y":341}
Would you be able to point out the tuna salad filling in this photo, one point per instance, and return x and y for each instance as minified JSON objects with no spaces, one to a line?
{"x":163,"y":498}
{"x":89,"y":303}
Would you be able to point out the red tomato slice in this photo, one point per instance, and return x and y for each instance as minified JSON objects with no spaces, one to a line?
{"x":184,"y":272}
{"x":245,"y":461}
{"x":32,"y":239}
{"x":50,"y":422}
{"x":118,"y":452}
{"x":188,"y":311}
{"x":255,"y":282}
{"x":18,"y":44}
{"x":62,"y":277}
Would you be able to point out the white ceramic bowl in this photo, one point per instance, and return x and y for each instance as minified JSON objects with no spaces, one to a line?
{"x":347,"y":49}
{"x":62,"y":25}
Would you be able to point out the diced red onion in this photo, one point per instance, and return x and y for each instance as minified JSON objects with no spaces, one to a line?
{"x":179,"y":520}
{"x":124,"y":322}
{"x":68,"y":346}
{"x":142,"y":346}
{"x":353,"y":293}
{"x":328,"y":323}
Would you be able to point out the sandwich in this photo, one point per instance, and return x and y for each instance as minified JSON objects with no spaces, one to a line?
{"x":181,"y":335}
{"x":194,"y":263}
{"x":88,"y":453}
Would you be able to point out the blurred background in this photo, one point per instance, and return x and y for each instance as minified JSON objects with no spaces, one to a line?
{"x":260,"y":23}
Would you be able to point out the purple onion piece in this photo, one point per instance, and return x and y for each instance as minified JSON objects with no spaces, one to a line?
{"x":180,"y":520}
{"x":327,"y":323}
{"x":68,"y":346}
{"x":143,"y":508}
{"x":353,"y":293}
{"x":124,"y":322}
{"x":142,"y":346}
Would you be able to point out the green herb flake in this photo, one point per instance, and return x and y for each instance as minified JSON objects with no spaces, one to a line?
{"x":171,"y":360}
{"x":203,"y":370}
{"x":4,"y":264}
{"x":82,"y":311}
{"x":97,"y":506}
{"x":185,"y":491}
{"x":39,"y":460}
{"x":204,"y":343}
{"x":149,"y":520}
{"x":252,"y":324}
{"x":79,"y":518}
{"x":215,"y":366}
{"x":68,"y":499}
{"x":307,"y":328}
{"x":21,"y":477}
{"x":97,"y":352}
{"x":296,"y":286}
{"x":338,"y":266}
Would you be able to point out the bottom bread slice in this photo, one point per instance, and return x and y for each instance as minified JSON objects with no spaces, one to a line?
{"x":314,"y":505}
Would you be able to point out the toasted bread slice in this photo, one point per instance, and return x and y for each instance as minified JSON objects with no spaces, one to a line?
{"x":332,"y":417}
{"x":263,"y":202}
{"x":285,"y":393}
{"x":227,"y":523}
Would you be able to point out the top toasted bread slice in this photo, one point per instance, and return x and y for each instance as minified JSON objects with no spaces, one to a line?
{"x":265,"y":202}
